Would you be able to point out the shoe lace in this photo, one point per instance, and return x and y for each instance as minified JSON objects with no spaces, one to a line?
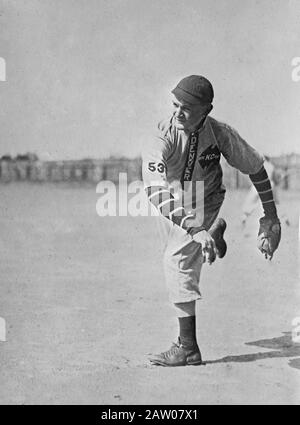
{"x":173,"y":350}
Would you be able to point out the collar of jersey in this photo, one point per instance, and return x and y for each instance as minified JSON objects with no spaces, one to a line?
{"x":198,"y":130}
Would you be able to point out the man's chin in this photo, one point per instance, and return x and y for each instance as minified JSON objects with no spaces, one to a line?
{"x":179,"y":125}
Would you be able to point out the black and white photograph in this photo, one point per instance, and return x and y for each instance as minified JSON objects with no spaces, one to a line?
{"x":149,"y":213}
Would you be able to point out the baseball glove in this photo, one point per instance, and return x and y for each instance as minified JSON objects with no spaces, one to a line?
{"x":268,"y":236}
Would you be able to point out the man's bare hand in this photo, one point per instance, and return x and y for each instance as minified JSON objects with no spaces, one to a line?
{"x":208,"y":245}
{"x":191,"y":225}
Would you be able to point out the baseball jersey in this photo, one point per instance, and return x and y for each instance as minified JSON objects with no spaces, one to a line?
{"x":165,"y":159}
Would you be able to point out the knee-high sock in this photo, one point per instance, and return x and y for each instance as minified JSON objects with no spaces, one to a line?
{"x":186,"y":313}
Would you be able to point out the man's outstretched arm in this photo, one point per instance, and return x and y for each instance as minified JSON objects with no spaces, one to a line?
{"x":263,"y":186}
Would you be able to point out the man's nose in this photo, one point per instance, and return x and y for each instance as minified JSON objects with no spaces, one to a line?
{"x":178,"y":111}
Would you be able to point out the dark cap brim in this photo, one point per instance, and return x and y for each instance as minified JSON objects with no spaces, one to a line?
{"x":182,"y":95}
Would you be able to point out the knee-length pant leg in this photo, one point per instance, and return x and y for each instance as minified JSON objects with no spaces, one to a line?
{"x":183,"y":258}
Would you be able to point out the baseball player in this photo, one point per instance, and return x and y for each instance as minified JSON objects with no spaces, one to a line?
{"x":183,"y":180}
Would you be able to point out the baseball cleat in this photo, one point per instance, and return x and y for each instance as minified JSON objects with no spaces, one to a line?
{"x":217,"y":231}
{"x":178,"y":355}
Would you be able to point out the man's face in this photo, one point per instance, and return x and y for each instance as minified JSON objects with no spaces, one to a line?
{"x":188,"y":116}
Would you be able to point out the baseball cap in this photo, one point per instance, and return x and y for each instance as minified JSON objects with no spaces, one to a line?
{"x":194,"y":89}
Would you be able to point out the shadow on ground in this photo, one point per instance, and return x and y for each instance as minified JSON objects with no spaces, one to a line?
{"x":281,"y":347}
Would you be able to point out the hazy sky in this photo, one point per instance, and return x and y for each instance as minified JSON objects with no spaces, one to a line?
{"x":89,"y":78}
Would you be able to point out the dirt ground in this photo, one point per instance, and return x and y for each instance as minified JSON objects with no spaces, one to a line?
{"x":85,"y":302}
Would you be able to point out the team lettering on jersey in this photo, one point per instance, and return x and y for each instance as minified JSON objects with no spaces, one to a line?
{"x":191,"y":158}
{"x":211,"y":155}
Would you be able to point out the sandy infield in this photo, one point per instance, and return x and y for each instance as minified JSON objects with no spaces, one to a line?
{"x":85,"y":301}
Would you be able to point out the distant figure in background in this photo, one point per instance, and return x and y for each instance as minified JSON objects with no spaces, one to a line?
{"x":252,"y":199}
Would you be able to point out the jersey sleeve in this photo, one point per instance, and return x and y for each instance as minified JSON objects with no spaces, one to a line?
{"x":238,"y":153}
{"x":270,"y":169}
{"x":263,"y":186}
{"x":155,"y":172}
{"x":154,"y":160}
